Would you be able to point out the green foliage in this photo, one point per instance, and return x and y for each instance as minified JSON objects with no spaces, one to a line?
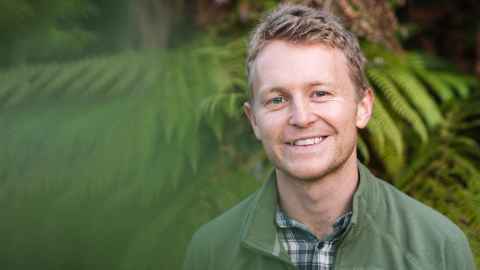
{"x":34,"y":30}
{"x":108,"y":161}
{"x":112,"y":162}
{"x":39,"y":31}
{"x":414,"y":89}
{"x":445,"y":174}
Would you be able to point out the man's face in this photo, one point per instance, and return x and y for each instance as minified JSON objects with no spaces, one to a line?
{"x":305,"y":109}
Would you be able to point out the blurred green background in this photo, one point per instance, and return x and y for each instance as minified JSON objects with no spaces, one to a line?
{"x":122,"y":130}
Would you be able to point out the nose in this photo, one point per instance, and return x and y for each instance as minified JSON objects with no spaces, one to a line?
{"x":301,"y":114}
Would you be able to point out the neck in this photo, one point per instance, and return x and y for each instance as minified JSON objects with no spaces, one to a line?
{"x":318,"y":203}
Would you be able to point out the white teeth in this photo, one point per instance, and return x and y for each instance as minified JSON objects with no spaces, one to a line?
{"x":310,"y":141}
{"x":305,"y":142}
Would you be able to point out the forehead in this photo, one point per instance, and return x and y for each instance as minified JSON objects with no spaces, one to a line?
{"x":285,"y":64}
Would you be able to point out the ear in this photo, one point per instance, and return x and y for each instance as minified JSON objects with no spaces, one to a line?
{"x":248,"y":109}
{"x":365,"y":108}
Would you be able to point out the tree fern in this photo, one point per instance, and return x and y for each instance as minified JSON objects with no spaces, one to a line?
{"x":418,"y":96}
{"x":394,"y":144}
{"x":398,"y":102}
{"x":126,"y":83}
{"x":439,"y":87}
{"x":459,"y":83}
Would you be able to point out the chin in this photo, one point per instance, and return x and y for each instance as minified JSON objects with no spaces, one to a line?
{"x":314,"y":170}
{"x":309,"y":173}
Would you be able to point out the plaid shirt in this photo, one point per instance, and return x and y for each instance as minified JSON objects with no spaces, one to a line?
{"x":305,"y":250}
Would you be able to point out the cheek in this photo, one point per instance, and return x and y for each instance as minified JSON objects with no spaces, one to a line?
{"x":339,"y":114}
{"x":271,"y":125}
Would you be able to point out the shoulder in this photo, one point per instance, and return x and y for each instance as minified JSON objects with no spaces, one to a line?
{"x":228,"y":223}
{"x":220,"y":235}
{"x":417,"y":230}
{"x":411,"y":212}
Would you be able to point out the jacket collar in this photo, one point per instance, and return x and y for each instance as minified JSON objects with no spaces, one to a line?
{"x":259,"y":229}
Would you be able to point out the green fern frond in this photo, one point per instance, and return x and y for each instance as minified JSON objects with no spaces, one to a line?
{"x":13,"y":79}
{"x":472,"y":175}
{"x":130,"y":81}
{"x":397,"y":102}
{"x":376,"y":137}
{"x":363,"y":150}
{"x":46,"y":75}
{"x":391,"y":130}
{"x":108,"y":78}
{"x":94,"y":69}
{"x":418,"y":164}
{"x":460,"y":83}
{"x":438,"y":87}
{"x":417,"y":95}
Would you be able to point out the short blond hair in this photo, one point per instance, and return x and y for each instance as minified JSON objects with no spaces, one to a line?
{"x":302,"y":24}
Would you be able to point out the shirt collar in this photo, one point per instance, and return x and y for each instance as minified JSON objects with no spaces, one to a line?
{"x":283,"y":221}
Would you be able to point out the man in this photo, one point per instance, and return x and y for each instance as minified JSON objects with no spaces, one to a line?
{"x":321,"y":209}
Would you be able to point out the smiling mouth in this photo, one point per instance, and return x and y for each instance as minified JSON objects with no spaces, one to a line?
{"x":307,"y":141}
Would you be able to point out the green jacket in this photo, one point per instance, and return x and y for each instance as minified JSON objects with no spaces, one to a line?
{"x":388,"y":230}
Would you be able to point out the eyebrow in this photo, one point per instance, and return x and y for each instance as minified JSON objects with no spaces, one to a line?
{"x":274,"y":88}
{"x":319,"y":83}
{"x":270,"y":90}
